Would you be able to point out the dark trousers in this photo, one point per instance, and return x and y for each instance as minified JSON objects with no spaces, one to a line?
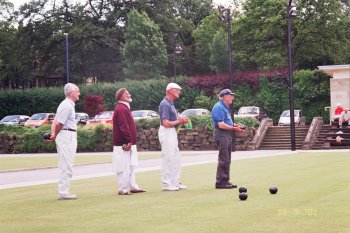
{"x":223,"y":139}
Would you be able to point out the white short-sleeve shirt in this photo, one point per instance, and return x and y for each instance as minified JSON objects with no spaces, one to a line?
{"x":66,"y":114}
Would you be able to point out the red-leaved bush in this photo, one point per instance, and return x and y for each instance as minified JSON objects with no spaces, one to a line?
{"x":93,"y":104}
{"x":207,"y":83}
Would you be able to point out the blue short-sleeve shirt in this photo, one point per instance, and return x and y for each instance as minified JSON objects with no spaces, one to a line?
{"x":167,"y":110}
{"x":221,"y":113}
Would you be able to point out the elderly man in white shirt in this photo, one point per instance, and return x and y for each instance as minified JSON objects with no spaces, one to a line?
{"x":344,"y":117}
{"x":64,"y":132}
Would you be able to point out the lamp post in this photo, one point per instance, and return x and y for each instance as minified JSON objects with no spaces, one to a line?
{"x":227,"y":18}
{"x":67,"y":61}
{"x":177,"y":50}
{"x":291,"y":12}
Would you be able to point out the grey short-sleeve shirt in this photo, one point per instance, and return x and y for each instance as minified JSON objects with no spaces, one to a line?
{"x":167,"y":110}
{"x":66,"y":114}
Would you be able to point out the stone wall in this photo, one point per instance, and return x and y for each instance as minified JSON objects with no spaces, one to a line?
{"x":200,"y":138}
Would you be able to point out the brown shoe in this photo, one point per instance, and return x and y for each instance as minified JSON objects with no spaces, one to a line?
{"x":137,"y":191}
{"x":123,"y":193}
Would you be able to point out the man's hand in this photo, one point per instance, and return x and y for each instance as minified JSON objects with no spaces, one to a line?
{"x":127,"y":147}
{"x":49,"y":138}
{"x":183,"y":120}
{"x":238,"y":129}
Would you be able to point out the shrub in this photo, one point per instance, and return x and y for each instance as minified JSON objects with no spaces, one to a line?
{"x":248,"y":122}
{"x":93,"y":104}
{"x":147,"y":123}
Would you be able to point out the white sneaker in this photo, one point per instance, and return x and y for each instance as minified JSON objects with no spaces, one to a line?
{"x":68,"y":196}
{"x":182,"y":187}
{"x":171,"y":188}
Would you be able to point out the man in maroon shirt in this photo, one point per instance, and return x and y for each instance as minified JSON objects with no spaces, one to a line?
{"x":125,"y":157}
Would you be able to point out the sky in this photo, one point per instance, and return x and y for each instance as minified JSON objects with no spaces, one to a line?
{"x":17,"y":3}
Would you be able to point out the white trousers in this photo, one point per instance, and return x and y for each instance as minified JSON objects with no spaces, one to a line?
{"x":66,"y":143}
{"x":171,"y":160}
{"x":124,"y":164}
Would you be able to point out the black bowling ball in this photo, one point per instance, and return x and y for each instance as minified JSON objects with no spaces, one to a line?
{"x":242,"y":189}
{"x":47,"y":136}
{"x":243,"y":196}
{"x":273,"y":190}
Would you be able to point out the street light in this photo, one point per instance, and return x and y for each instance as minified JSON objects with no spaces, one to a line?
{"x":177,"y":50}
{"x":227,"y":18}
{"x":291,"y":12}
{"x":67,"y":61}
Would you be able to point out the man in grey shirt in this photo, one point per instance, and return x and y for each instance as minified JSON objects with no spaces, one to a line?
{"x":64,"y":132}
{"x":171,"y":164}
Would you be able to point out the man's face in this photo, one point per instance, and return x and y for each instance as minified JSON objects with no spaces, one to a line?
{"x":228,"y":99}
{"x":175,"y":92}
{"x":126,"y":97}
{"x":75,"y":95}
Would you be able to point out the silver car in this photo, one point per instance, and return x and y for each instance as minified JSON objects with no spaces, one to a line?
{"x":144,"y":114}
{"x":14,"y":120}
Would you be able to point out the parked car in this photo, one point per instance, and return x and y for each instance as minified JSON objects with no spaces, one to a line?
{"x":14,"y":120}
{"x":40,"y":119}
{"x":144,"y":114}
{"x":105,"y":117}
{"x":195,"y":112}
{"x":299,"y":118}
{"x":251,"y":111}
{"x":81,"y":118}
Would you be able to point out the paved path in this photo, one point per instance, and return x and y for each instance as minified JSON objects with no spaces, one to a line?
{"x":49,"y":175}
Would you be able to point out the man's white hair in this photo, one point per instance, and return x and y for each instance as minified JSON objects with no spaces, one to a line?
{"x":70,"y":87}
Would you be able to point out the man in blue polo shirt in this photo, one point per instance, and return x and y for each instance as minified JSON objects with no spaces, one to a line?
{"x":224,"y":126}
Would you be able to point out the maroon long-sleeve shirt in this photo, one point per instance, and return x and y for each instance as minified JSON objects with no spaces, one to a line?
{"x":124,"y":128}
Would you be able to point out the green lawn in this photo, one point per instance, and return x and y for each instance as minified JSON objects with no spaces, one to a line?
{"x":16,"y":163}
{"x":313,"y":196}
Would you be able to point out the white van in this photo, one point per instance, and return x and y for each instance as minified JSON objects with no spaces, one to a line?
{"x":299,"y":118}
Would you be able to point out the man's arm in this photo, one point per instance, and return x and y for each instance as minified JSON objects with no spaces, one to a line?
{"x":224,"y":126}
{"x":55,"y":129}
{"x":168,"y":124}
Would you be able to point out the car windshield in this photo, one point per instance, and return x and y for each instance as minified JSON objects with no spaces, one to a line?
{"x":189,"y":112}
{"x":10,"y":119}
{"x":39,"y":116}
{"x":286,"y":113}
{"x":248,"y":110}
{"x":138,"y":113}
{"x":104,"y":115}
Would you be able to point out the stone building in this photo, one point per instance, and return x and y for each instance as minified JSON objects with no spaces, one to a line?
{"x":339,"y":85}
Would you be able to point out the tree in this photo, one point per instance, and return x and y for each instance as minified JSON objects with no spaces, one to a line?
{"x":320,"y":31}
{"x":93,"y":104}
{"x":144,"y":50}
{"x":203,"y":36}
{"x":218,"y":53}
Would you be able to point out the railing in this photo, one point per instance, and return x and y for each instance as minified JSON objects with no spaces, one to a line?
{"x":260,"y":133}
{"x":312,"y":134}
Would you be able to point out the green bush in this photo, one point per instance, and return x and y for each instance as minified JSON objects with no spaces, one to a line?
{"x":30,"y":140}
{"x":248,"y":122}
{"x":311,"y":96}
{"x":147,"y":123}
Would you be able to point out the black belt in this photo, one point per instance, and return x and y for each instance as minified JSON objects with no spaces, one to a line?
{"x":73,"y":130}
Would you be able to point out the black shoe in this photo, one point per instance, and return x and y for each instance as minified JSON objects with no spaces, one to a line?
{"x":226,"y":186}
{"x":233,"y":185}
